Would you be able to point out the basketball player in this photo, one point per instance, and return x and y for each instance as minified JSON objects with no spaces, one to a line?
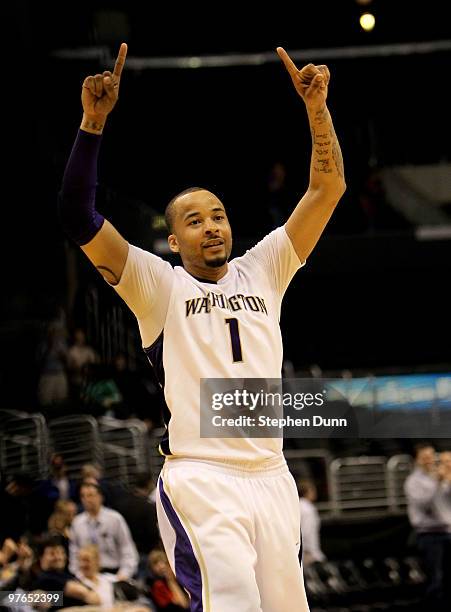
{"x":228,"y":509}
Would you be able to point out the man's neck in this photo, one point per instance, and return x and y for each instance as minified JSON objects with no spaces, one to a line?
{"x":207,"y":273}
{"x":94,"y":513}
{"x":426,"y":470}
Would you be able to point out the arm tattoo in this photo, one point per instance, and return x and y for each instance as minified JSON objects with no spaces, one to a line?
{"x":321,"y":115}
{"x":93,"y":125}
{"x":336,"y":154}
{"x":321,"y":157}
{"x":108,"y":275}
{"x":325,"y":146}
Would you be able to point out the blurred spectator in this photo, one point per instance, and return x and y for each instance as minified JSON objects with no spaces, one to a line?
{"x":53,"y":576}
{"x":61,"y":519}
{"x":15,"y":563}
{"x":139,"y":396}
{"x":140,"y":514}
{"x":22,"y":510}
{"x":428,"y":492}
{"x":444,"y":467}
{"x":164,"y":589}
{"x":7,"y":551}
{"x":89,"y":575}
{"x":310,"y":523}
{"x":378,"y":211}
{"x":108,"y":530}
{"x":58,"y":486}
{"x":315,"y":371}
{"x":280,"y":198}
{"x":91,"y":473}
{"x":110,"y":591}
{"x":79,"y":356}
{"x":100,"y":393}
{"x":52,"y":361}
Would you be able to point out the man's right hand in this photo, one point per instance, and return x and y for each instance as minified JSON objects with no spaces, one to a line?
{"x":100,"y":93}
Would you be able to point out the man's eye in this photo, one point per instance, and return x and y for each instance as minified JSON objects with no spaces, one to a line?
{"x":194,"y":221}
{"x":219,"y":217}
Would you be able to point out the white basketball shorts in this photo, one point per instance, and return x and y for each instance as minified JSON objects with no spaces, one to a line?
{"x":232,"y":535}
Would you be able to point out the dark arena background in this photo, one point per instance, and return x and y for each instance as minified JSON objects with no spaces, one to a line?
{"x":206,"y":101}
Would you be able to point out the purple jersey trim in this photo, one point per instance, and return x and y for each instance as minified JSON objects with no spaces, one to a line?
{"x":154,"y":354}
{"x":187,"y":569}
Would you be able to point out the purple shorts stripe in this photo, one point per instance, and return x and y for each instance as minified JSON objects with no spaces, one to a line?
{"x":187,"y":568}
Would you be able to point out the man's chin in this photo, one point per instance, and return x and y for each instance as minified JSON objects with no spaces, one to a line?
{"x":217,"y":262}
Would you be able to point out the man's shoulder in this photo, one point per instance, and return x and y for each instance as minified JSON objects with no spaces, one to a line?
{"x":47,"y":579}
{"x":110,"y":513}
{"x":79,"y":519}
{"x":138,"y":253}
{"x":418,"y":476}
{"x":306,"y":506}
{"x":275,"y":240}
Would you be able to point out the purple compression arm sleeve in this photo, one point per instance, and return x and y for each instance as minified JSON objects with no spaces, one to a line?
{"x":78,"y":215}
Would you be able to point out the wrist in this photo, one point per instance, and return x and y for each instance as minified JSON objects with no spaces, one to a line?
{"x":93,"y":124}
{"x":318,"y":113}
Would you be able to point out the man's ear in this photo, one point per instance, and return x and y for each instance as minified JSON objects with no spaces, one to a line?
{"x":173,"y":244}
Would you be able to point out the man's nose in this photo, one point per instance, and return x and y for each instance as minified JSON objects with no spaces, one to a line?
{"x":210,"y":226}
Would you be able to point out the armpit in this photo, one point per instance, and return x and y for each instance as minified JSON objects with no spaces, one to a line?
{"x":108,"y":275}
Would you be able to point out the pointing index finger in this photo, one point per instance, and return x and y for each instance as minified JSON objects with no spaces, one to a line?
{"x":286,"y":59}
{"x":120,"y":61}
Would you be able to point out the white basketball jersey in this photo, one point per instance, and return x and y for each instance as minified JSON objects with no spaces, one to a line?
{"x":193,"y":329}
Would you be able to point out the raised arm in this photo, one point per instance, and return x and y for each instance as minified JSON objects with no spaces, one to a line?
{"x":327,"y":182}
{"x":98,"y":239}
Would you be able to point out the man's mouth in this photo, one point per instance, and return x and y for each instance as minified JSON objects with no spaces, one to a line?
{"x":214,"y":242}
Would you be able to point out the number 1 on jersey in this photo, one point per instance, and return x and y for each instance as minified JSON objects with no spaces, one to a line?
{"x":235,"y":339}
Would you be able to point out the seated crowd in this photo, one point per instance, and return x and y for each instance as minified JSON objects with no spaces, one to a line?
{"x":94,"y":542}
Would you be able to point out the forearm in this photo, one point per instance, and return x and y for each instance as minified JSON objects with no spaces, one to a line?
{"x":128,"y":553}
{"x":179,"y":596}
{"x":77,"y":210}
{"x":129,"y":564}
{"x":79,"y":591}
{"x":326,"y":167}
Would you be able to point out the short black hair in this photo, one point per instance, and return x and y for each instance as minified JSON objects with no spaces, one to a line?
{"x":169,"y":213}
{"x":49,"y":541}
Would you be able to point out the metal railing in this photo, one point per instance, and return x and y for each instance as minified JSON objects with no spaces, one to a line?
{"x":124,"y":448}
{"x":23,"y":443}
{"x":398,"y":468}
{"x":355,"y":484}
{"x":77,"y":439}
{"x":358,"y":483}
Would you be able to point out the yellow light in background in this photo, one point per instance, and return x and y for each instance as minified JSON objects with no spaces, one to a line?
{"x":367,"y":21}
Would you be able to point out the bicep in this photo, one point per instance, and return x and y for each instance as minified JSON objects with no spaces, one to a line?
{"x":108,"y":252}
